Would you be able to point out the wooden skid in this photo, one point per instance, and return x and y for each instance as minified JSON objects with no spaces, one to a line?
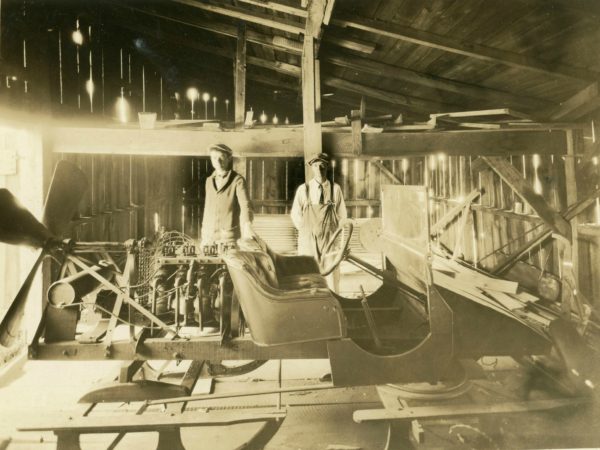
{"x":439,"y":411}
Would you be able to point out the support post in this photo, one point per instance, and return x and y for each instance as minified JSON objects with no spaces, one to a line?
{"x":312,"y":128}
{"x":573,"y":147}
{"x":239,"y":77}
{"x":355,"y":117}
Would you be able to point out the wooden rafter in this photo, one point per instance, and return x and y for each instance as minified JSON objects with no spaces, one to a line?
{"x":584,"y":8}
{"x":279,"y":7}
{"x":377,"y":68}
{"x":416,"y":104}
{"x":583,"y":102}
{"x":278,"y":66}
{"x":344,"y":100}
{"x":242,"y":14}
{"x":314,"y":20}
{"x":448,"y":44}
{"x":276,"y":42}
{"x":354,"y":44}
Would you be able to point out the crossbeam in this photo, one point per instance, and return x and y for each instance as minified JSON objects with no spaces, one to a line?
{"x":511,"y":176}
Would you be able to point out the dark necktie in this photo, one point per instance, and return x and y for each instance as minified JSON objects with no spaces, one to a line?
{"x":321,"y":195}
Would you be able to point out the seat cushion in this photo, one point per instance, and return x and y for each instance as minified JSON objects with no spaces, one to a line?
{"x":261,"y":265}
{"x":302,"y":281}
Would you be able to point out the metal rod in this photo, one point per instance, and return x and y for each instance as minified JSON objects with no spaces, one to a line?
{"x":370,"y":319}
{"x":95,"y":247}
{"x":384,"y":276}
{"x":200,"y":397}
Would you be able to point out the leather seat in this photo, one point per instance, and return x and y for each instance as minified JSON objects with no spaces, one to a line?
{"x":284,"y":298}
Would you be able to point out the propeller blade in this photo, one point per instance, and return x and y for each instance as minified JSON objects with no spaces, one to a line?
{"x":11,"y":322}
{"x":18,"y":225}
{"x":67,"y":187}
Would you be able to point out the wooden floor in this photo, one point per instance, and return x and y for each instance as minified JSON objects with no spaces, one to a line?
{"x":315,"y":420}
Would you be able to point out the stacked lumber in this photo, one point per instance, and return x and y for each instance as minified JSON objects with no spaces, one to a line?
{"x":278,"y":231}
{"x":503,"y":296}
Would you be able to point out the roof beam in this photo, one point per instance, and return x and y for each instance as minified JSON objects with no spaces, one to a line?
{"x":423,"y":106}
{"x":589,"y":9}
{"x":276,"y":42}
{"x":288,"y":142}
{"x":277,"y":66}
{"x":580,"y":104}
{"x":447,"y":44}
{"x":340,"y":41}
{"x":413,"y":103}
{"x":353,"y":104}
{"x":371,"y":67}
{"x":279,"y":7}
{"x":241,"y":14}
{"x":314,"y":21}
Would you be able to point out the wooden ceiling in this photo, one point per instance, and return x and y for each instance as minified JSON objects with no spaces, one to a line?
{"x":415,"y":57}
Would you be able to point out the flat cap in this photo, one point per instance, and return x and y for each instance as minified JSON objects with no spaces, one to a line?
{"x":323,"y":157}
{"x":220,"y":148}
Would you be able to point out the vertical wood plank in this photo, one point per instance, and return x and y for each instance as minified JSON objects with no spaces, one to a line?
{"x":574,"y":145}
{"x":239,"y":77}
{"x":312,"y":128}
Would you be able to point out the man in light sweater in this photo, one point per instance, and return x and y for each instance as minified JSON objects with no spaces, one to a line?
{"x":227,"y":209}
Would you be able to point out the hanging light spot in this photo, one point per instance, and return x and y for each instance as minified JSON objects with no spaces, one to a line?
{"x":192,"y":94}
{"x":77,"y":37}
{"x":432,"y":162}
{"x":156,"y":222}
{"x":122,"y":108}
{"x":275,"y":120}
{"x":263,"y":118}
{"x":537,"y":184}
{"x":89,"y":87}
{"x":404,"y":164}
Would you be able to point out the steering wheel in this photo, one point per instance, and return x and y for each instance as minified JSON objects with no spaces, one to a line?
{"x":339,"y":254}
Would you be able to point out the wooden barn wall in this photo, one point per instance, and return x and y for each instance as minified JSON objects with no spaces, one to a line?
{"x":127,"y":196}
{"x":49,"y":72}
{"x":500,"y":221}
